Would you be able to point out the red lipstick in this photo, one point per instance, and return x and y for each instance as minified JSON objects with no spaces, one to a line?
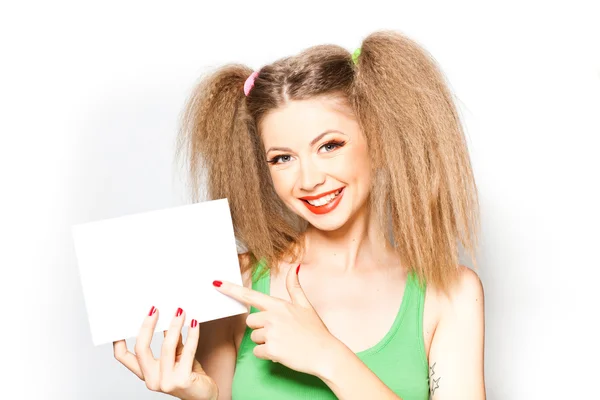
{"x":327,"y":207}
{"x":320,"y":195}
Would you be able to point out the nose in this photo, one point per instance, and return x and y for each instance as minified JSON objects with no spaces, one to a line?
{"x":311,"y":176}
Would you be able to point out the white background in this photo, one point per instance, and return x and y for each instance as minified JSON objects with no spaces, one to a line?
{"x":90,"y":97}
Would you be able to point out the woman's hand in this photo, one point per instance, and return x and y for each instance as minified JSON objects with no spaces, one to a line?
{"x":291,"y":334}
{"x":177,"y":372}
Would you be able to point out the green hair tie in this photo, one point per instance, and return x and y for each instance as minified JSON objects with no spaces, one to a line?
{"x":355,"y":55}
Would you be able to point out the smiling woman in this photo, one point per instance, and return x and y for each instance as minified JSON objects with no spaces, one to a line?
{"x":314,"y":176}
{"x":352,"y":171}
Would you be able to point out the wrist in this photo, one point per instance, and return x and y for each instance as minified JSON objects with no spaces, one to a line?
{"x":331,"y":356}
{"x":212,"y":393}
{"x":212,"y":396}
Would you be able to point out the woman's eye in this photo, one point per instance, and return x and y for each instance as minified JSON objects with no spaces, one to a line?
{"x":332,"y":146}
{"x":275,"y":160}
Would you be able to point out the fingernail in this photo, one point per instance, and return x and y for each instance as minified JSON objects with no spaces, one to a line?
{"x":217,"y":283}
{"x":179,"y":312}
{"x":297,"y":269}
{"x":194,"y":323}
{"x":152,"y":311}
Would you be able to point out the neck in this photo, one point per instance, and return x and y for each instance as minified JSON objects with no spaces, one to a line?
{"x":357,"y":245}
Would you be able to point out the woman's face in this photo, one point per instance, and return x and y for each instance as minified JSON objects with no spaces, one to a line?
{"x":314,"y":149}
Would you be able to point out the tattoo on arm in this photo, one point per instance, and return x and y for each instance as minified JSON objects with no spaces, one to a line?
{"x":434,"y":381}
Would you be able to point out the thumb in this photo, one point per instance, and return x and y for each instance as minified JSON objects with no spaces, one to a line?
{"x":294,"y":288}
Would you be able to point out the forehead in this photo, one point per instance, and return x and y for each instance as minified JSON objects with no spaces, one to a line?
{"x":304,"y":119}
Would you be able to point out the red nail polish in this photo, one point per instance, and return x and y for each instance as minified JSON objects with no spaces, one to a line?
{"x":179,"y":312}
{"x":194,"y":323}
{"x":217,"y":283}
{"x":297,"y":269}
{"x":152,"y":311}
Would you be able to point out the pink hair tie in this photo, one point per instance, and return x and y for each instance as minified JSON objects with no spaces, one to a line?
{"x":250,"y":82}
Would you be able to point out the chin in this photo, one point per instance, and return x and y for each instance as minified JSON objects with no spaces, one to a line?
{"x":330,"y":225}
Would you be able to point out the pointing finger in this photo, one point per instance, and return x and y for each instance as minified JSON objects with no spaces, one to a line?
{"x":242,"y":294}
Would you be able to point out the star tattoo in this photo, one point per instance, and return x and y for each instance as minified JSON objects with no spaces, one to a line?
{"x":433,"y":383}
{"x":437,"y":385}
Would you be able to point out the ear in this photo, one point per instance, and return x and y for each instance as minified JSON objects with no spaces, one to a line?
{"x":292,"y":284}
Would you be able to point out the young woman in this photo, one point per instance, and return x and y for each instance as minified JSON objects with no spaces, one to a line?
{"x":350,"y":186}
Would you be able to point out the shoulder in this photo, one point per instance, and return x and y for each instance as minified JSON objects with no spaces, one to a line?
{"x":466,"y":295}
{"x":469,"y":286}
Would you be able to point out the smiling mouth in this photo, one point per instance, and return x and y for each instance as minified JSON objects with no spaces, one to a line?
{"x":323,"y":201}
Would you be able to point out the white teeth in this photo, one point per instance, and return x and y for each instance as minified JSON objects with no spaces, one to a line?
{"x":324,"y":200}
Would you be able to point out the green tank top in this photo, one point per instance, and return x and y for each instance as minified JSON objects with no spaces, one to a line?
{"x":398,"y":359}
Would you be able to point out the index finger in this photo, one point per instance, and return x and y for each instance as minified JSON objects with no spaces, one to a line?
{"x":252,"y":297}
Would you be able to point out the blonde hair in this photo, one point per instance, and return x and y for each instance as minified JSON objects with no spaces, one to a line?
{"x":423,"y":192}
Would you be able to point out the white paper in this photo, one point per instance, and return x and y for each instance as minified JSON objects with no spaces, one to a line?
{"x":166,"y":258}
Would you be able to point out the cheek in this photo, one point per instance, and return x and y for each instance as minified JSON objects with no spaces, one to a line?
{"x":357,"y":164}
{"x":280,"y":183}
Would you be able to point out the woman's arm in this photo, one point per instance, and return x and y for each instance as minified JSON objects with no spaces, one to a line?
{"x":456,"y":354}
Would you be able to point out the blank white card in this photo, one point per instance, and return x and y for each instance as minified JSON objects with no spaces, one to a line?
{"x":166,"y":258}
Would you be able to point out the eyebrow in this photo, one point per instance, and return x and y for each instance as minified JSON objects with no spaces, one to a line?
{"x":312,"y":142}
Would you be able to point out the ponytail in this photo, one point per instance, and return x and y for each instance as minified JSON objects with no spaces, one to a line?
{"x":423,"y":180}
{"x":224,"y":151}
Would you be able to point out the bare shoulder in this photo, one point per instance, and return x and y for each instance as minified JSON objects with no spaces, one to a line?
{"x":465,"y":300}
{"x":469,"y":286}
{"x":467,"y":293}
